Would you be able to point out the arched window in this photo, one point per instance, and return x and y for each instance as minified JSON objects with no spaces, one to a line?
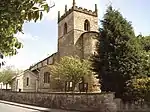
{"x":27,"y":81}
{"x":87,"y":25}
{"x":65,"y":28}
{"x":46,"y":77}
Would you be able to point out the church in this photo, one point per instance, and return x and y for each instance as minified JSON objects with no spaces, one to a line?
{"x":77,"y":32}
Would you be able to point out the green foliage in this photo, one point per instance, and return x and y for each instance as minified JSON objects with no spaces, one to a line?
{"x":6,"y":75}
{"x":71,"y":69}
{"x":146,"y":63}
{"x":145,"y":42}
{"x":138,"y":90}
{"x":119,"y":54}
{"x":12,"y":17}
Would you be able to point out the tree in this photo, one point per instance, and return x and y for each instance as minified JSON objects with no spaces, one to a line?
{"x":145,"y":42}
{"x":146,"y":63}
{"x":12,"y":17}
{"x":119,"y":55}
{"x":6,"y":76}
{"x":72,"y":69}
{"x":138,"y":90}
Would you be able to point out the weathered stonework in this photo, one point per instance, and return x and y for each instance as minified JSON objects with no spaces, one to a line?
{"x":43,"y":87}
{"x":32,"y":86}
{"x":76,"y":41}
{"x":20,"y":82}
{"x":83,"y":102}
{"x":79,"y":19}
{"x":75,"y":22}
{"x":78,"y":9}
{"x":86,"y":45}
{"x":92,"y":102}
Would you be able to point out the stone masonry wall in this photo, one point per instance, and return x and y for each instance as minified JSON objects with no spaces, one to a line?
{"x":43,"y":87}
{"x":89,"y":44}
{"x":75,"y":28}
{"x":31,"y":87}
{"x":90,"y":102}
{"x":132,"y":106}
{"x":83,"y":102}
{"x":79,"y":19}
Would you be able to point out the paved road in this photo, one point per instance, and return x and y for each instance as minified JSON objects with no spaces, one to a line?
{"x":6,"y":107}
{"x":11,"y":108}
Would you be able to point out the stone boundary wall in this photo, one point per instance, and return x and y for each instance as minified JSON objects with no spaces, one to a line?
{"x":83,"y":102}
{"x":132,"y":107}
{"x":86,"y":102}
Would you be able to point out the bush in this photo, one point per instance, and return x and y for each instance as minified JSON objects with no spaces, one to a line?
{"x":138,"y":90}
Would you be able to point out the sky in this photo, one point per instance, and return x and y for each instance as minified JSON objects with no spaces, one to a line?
{"x":40,"y":39}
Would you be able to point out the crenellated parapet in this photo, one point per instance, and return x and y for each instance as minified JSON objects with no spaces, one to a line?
{"x":78,"y":9}
{"x":86,"y":11}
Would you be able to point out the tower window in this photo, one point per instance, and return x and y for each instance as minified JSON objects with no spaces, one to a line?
{"x":65,"y":28}
{"x":87,"y":25}
{"x":46,"y":77}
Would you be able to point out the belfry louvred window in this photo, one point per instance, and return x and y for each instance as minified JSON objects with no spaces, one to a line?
{"x":87,"y":25}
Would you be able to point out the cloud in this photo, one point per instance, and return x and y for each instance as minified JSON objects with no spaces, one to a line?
{"x":19,"y":61}
{"x":60,"y":6}
{"x":26,"y":37}
{"x":26,"y":55}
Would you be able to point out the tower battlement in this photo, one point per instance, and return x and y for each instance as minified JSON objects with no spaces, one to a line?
{"x":78,"y":9}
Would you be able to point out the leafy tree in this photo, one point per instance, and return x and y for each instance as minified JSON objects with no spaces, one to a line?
{"x":146,"y":63}
{"x":12,"y":17}
{"x":72,"y":69}
{"x":138,"y":90}
{"x":145,"y":42}
{"x":119,"y":55}
{"x":6,"y":76}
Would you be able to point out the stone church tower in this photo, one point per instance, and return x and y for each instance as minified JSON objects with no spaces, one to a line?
{"x":77,"y":28}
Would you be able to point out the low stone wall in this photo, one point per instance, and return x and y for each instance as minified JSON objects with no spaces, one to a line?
{"x":88,"y":102}
{"x":132,"y":107}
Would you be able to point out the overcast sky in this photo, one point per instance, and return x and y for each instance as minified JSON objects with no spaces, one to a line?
{"x":40,"y":39}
